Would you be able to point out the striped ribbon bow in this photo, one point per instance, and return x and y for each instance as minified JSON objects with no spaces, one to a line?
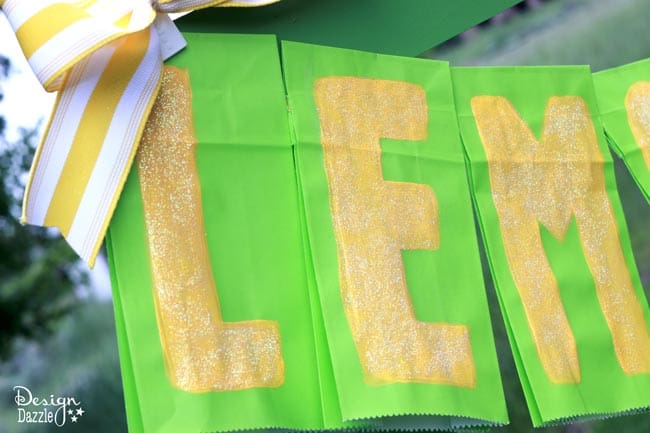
{"x":104,"y":57}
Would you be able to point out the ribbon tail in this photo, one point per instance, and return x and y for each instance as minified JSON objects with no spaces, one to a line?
{"x":88,"y":148}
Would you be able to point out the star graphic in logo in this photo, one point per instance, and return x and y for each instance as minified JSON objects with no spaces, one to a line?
{"x":69,"y":411}
{"x":80,"y":411}
{"x":73,"y":419}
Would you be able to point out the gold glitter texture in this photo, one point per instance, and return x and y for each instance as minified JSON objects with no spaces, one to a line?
{"x":637,"y":104}
{"x":549,"y":182}
{"x":374,"y":220}
{"x":202,"y":352}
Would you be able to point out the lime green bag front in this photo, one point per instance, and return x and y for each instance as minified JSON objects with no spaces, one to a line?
{"x":624,"y":100}
{"x":390,"y":232}
{"x":235,"y":251}
{"x":556,"y":239}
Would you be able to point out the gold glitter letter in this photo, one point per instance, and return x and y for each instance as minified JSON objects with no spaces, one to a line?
{"x":550,"y":182}
{"x":202,"y":352}
{"x":374,"y":220}
{"x":637,"y":104}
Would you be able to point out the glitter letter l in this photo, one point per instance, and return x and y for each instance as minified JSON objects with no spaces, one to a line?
{"x":550,"y":182}
{"x":374,"y":220}
{"x":202,"y":352}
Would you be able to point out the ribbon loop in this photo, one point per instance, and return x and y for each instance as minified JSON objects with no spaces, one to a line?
{"x":56,"y":35}
{"x":105,"y":58}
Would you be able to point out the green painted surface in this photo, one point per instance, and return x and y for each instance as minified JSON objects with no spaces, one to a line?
{"x":406,"y":28}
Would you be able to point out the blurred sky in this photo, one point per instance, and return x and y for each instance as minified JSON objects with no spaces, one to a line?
{"x":25,"y":104}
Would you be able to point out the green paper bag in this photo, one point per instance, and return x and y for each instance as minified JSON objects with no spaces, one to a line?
{"x":544,"y":189}
{"x":396,"y":272}
{"x":251,"y":213}
{"x":624,"y":101}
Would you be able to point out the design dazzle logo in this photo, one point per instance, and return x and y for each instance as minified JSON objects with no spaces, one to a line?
{"x":53,"y":410}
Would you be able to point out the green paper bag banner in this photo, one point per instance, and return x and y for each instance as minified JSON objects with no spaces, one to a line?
{"x":624,"y":100}
{"x":543,"y":183}
{"x":384,"y":228}
{"x":295,"y":247}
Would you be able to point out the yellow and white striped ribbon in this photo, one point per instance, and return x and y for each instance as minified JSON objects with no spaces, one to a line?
{"x":104,"y":57}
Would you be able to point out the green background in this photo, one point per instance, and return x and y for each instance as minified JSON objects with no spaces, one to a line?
{"x":383,"y":26}
{"x":251,"y":210}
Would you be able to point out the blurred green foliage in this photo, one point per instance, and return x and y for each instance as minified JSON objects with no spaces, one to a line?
{"x":48,"y":337}
{"x":602,"y":34}
{"x":79,"y":361}
{"x":4,"y":73}
{"x":38,"y":271}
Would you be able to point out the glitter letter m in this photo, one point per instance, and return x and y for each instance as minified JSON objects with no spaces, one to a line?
{"x":550,"y":182}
